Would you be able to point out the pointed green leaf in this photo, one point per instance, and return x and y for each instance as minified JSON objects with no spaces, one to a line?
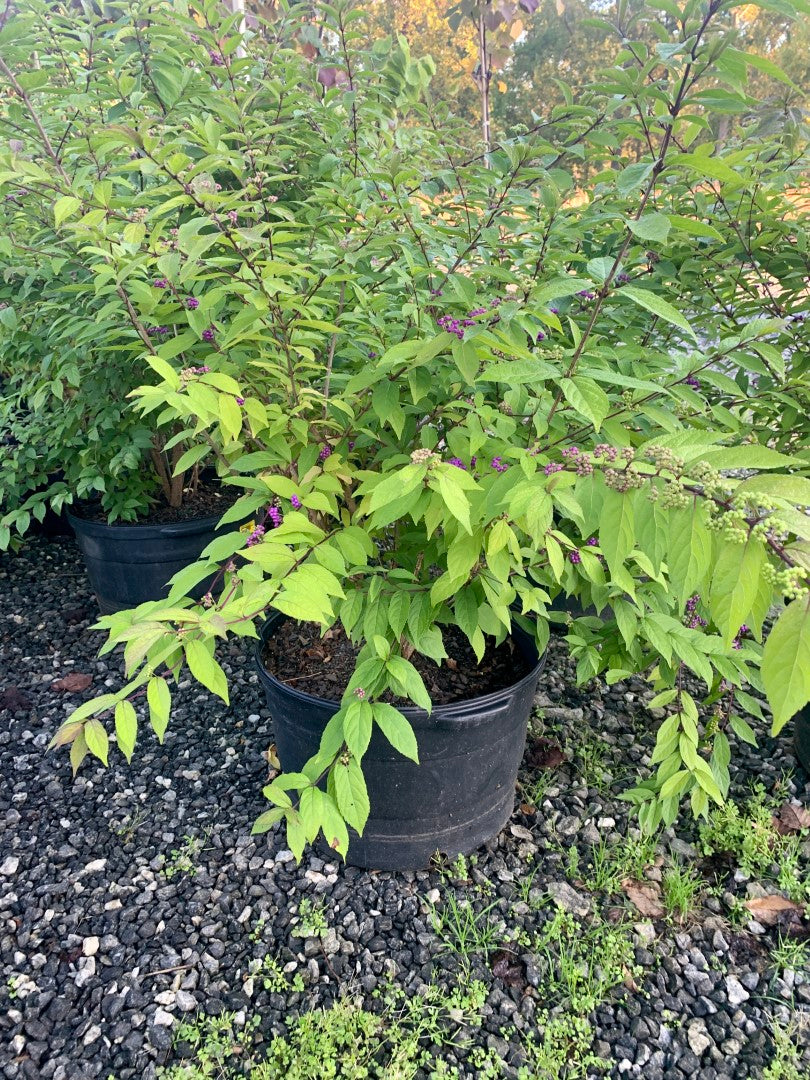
{"x":205,"y":668}
{"x":658,"y":306}
{"x":352,"y":794}
{"x":786,"y":662}
{"x":397,"y":729}
{"x":159,"y":699}
{"x":126,"y":728}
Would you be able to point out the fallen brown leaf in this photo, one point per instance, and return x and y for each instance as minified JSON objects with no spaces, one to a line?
{"x":73,"y":683}
{"x":544,"y":754}
{"x":528,"y":809}
{"x":13,"y":699}
{"x":645,"y":897}
{"x":791,"y":819}
{"x":509,"y":968}
{"x":770,"y":910}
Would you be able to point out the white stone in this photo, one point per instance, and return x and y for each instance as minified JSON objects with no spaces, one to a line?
{"x":737,"y":993}
{"x":9,"y":866}
{"x":18,"y":1044}
{"x":96,"y":866}
{"x":698,"y":1038}
{"x":113,"y":905}
{"x":433,"y":896}
{"x":645,"y":933}
{"x":90,"y":946}
{"x":165,"y":997}
{"x":569,"y":899}
{"x":163,"y":1018}
{"x":87,"y":969}
{"x":185,"y":1001}
{"x":92,"y":1033}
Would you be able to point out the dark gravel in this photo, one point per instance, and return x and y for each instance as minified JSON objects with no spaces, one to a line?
{"x":107,"y":938}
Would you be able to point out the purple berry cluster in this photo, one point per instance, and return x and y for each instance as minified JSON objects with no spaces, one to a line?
{"x":586,"y":294}
{"x":575,"y":556}
{"x":459,"y":464}
{"x":498,"y":465}
{"x":256,"y":536}
{"x":192,"y":303}
{"x":325,"y":452}
{"x":295,"y":502}
{"x":552,"y":467}
{"x":458,"y":326}
{"x":157,"y":331}
{"x":216,"y":58}
{"x":690,"y":380}
{"x":275,"y":516}
{"x":208,"y":335}
{"x":691,"y":618}
{"x":160,"y":283}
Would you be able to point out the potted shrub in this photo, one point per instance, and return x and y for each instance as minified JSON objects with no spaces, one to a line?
{"x":451,"y":387}
{"x":70,"y":341}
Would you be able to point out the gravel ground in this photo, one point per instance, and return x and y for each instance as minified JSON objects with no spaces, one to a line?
{"x":109,"y":934}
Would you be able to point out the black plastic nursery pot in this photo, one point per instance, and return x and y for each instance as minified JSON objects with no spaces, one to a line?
{"x":130,"y":564}
{"x":461,"y":793}
{"x":801,"y":737}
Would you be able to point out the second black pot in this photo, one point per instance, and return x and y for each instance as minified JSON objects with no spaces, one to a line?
{"x":801,"y":737}
{"x":462,"y":792}
{"x":130,"y":564}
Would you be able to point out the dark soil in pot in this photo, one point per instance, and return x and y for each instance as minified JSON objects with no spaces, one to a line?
{"x":209,"y":498}
{"x":129,"y":564}
{"x":322,"y":666}
{"x":462,"y":792}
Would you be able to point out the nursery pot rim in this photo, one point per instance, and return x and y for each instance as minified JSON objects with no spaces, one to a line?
{"x":166,"y":528}
{"x":450,"y":710}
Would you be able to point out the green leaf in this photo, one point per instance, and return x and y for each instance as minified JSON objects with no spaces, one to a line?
{"x":786,"y":663}
{"x":632,"y":177}
{"x":657,"y":305}
{"x":126,"y":728}
{"x":410,"y":680}
{"x":357,"y":724}
{"x":159,"y":698}
{"x":397,"y":729}
{"x":96,"y":738}
{"x":516,"y":372}
{"x":454,"y":498}
{"x":352,"y":794}
{"x":793,"y":489}
{"x":694,"y":227}
{"x":742,"y":729}
{"x":64,"y":208}
{"x":706,"y":167}
{"x":230,"y":417}
{"x":558,"y":288}
{"x":589,"y":399}
{"x":616,"y":530}
{"x":653,"y":228}
{"x":205,"y":668}
{"x":689,"y":550}
{"x":264,"y":822}
{"x":735,"y":584}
